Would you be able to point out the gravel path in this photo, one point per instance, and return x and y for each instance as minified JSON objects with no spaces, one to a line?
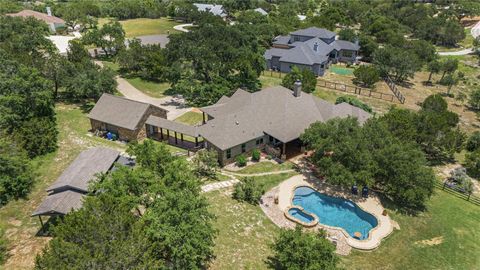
{"x":475,"y":31}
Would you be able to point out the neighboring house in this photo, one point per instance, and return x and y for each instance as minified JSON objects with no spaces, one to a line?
{"x":161,"y":40}
{"x":216,"y":10}
{"x":67,"y":192}
{"x":53,"y":22}
{"x":271,"y":119}
{"x":261,"y":11}
{"x":313,"y":48}
{"x":122,"y":116}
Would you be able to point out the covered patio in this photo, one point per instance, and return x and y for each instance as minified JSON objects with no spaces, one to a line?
{"x":174,"y":133}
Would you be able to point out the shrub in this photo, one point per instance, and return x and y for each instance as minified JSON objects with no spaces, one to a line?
{"x":473,"y":143}
{"x":472,"y":164}
{"x":248,"y":190}
{"x":205,"y":163}
{"x":16,"y":172}
{"x":294,"y":249}
{"x":3,"y":247}
{"x":256,"y":155}
{"x":354,"y":102}
{"x":366,"y":76}
{"x":241,"y":160}
{"x":474,"y":100}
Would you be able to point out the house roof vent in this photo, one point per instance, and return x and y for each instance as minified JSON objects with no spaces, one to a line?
{"x":315,"y":46}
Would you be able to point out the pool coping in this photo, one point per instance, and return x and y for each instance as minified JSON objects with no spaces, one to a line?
{"x":369,"y":243}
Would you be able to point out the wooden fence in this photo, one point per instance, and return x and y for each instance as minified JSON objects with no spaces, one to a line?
{"x":366,"y":92}
{"x":391,"y":84}
{"x":458,"y":193}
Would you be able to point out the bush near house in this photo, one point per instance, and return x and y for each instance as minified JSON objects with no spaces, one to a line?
{"x":241,"y":161}
{"x":256,"y":155}
{"x":354,"y":102}
{"x":248,"y":190}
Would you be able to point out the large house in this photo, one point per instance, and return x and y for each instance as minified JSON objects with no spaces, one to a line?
{"x":214,"y":9}
{"x":54,"y":23}
{"x":313,"y":48}
{"x":271,"y":120}
{"x":123,"y":117}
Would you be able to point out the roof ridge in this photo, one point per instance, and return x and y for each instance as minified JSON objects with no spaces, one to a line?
{"x":128,"y":99}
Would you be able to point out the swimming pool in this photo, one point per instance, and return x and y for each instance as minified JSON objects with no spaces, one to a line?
{"x":335,"y":212}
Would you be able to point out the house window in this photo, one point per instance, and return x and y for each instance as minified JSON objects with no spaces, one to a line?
{"x":322,"y":66}
{"x":259,"y":141}
{"x":229,"y":153}
{"x":270,"y":138}
{"x":244,"y":148}
{"x":296,"y":38}
{"x":347,"y":53}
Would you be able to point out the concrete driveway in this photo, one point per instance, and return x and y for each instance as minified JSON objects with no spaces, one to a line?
{"x":181,"y":27}
{"x":174,"y":104}
{"x":475,"y":30}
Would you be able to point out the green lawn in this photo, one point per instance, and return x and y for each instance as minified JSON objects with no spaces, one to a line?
{"x":266,"y":166}
{"x":112,"y":65}
{"x":144,"y":26}
{"x":452,"y":226}
{"x":190,"y":118}
{"x":244,"y":232}
{"x":268,"y":81}
{"x":153,"y":89}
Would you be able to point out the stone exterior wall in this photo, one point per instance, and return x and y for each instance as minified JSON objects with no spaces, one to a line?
{"x":127,"y":134}
{"x":237,"y":150}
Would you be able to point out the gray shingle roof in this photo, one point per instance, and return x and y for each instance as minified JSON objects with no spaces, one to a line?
{"x":212,"y":8}
{"x":60,"y":203}
{"x":261,"y":11}
{"x":274,"y":111}
{"x":315,"y":32}
{"x":345,"y":45}
{"x":282,"y":40}
{"x":119,"y":111}
{"x":171,"y":125}
{"x":161,"y":40}
{"x":84,"y":167}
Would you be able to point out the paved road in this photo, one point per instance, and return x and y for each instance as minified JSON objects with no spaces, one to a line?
{"x":462,"y":52}
{"x":475,"y":33}
{"x":476,"y":30}
{"x":181,"y":27}
{"x":174,"y":104}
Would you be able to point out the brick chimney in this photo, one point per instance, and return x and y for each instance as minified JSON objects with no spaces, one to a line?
{"x":297,"y":88}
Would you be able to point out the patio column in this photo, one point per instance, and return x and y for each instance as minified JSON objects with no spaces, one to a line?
{"x":176,"y":141}
{"x":168,"y":134}
{"x":284,"y":155}
{"x":41,"y":222}
{"x":181,"y":137}
{"x":161,"y":134}
{"x":203,"y":117}
{"x":196,"y":141}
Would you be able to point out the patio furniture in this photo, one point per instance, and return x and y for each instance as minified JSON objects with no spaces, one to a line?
{"x":365,"y":192}
{"x":357,"y":235}
{"x":354,"y":190}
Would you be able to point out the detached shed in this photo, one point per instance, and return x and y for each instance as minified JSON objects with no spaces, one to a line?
{"x":122,"y":116}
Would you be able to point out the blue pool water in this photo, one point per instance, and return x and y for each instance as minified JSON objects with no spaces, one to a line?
{"x":300,"y":215}
{"x":336,"y":212}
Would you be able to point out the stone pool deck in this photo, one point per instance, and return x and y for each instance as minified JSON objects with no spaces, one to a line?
{"x":284,"y":193}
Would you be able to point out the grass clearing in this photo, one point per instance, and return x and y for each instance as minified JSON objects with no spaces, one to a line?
{"x":153,"y":89}
{"x":446,"y":236}
{"x":266,"y":166}
{"x":190,"y":118}
{"x":144,"y":26}
{"x":244,"y":231}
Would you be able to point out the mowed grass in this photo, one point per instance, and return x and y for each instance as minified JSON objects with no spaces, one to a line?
{"x":145,"y":26}
{"x":153,"y":89}
{"x":266,"y":166}
{"x":244,"y":231}
{"x":190,"y":118}
{"x":446,"y":236}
